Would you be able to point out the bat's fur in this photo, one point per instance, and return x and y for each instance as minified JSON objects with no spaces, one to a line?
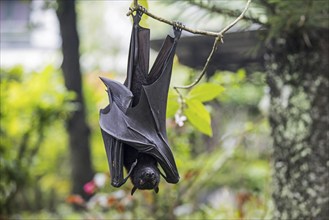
{"x":146,"y":174}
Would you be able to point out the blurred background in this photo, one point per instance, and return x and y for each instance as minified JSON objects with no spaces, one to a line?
{"x":53,"y":161}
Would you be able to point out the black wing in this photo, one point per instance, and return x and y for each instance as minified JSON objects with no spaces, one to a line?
{"x":119,"y":97}
{"x":122,"y":98}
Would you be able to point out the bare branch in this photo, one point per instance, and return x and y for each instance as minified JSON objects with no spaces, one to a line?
{"x":205,"y":67}
{"x":237,"y":19}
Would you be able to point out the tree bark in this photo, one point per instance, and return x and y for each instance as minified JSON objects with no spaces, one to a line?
{"x":76,"y":124}
{"x":299,"y":116}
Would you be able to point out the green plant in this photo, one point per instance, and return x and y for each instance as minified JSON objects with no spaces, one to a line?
{"x":31,"y":104}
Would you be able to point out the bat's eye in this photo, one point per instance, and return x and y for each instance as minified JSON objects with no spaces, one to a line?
{"x":141,"y":182}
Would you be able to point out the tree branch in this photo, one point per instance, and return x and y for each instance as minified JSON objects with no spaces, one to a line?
{"x":183,"y":27}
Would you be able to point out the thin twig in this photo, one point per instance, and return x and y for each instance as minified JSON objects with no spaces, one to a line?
{"x":237,"y":19}
{"x":135,"y":3}
{"x":205,"y":67}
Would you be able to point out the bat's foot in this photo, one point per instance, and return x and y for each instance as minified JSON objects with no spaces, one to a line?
{"x":177,"y":29}
{"x":142,"y":9}
{"x":139,"y":13}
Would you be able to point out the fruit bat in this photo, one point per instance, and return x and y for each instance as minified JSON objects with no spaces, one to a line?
{"x":133,"y":125}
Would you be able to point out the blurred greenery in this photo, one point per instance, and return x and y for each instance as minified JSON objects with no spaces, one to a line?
{"x":225,"y":176}
{"x":229,"y":181}
{"x":33,"y":106}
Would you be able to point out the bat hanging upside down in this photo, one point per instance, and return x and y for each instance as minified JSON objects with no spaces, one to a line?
{"x":133,"y":125}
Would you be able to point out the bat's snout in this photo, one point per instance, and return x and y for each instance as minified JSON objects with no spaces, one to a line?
{"x":150,"y":174}
{"x":146,"y":178}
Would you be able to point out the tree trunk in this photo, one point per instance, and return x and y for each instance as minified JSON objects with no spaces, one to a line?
{"x":299,"y":82}
{"x":76,"y":125}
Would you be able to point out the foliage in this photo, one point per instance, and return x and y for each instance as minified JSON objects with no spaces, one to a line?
{"x":195,"y":111}
{"x":31,"y":104}
{"x":198,"y":116}
{"x":205,"y":92}
{"x":241,"y":89}
{"x":303,"y":16}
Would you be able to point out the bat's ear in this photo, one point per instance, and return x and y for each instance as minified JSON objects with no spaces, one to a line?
{"x":156,"y":189}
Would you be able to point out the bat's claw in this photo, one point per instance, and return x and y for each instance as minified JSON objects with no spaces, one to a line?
{"x":178,"y":26}
{"x":139,"y":13}
{"x":133,"y":190}
{"x":141,"y":10}
{"x":134,"y":164}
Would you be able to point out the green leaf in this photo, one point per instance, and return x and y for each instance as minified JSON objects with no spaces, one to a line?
{"x":205,"y":92}
{"x":172,"y":104}
{"x":241,"y":74}
{"x":198,"y":115}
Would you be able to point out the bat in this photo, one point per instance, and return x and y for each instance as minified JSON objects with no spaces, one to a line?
{"x":133,"y":125}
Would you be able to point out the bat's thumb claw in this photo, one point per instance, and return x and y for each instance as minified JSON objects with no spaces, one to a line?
{"x":134,"y":164}
{"x":105,"y":81}
{"x":133,"y":190}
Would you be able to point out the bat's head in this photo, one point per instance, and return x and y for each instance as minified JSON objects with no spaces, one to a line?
{"x":145,"y":175}
{"x":146,"y":178}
